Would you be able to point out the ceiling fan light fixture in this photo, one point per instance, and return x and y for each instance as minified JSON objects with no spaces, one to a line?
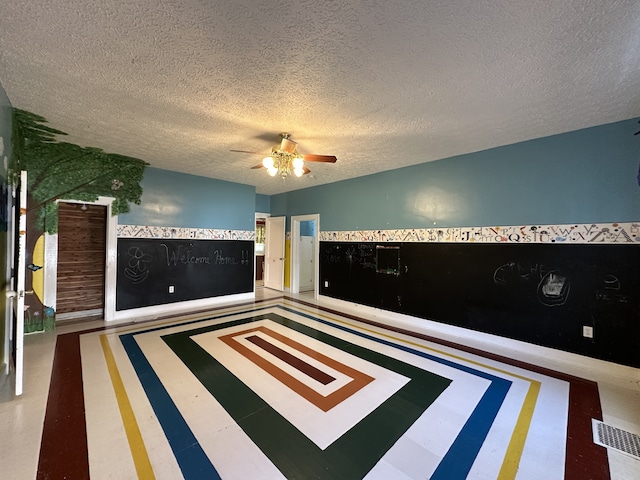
{"x":298,"y":163}
{"x":284,"y":159}
{"x":267,"y":162}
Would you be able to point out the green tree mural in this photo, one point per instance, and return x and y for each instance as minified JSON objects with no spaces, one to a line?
{"x":61,"y":170}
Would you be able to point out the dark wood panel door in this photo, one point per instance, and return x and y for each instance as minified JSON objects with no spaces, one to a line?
{"x":81,"y":258}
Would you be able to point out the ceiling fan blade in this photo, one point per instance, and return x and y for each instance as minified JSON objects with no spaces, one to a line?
{"x":244,"y":151}
{"x":305,"y":170}
{"x":320,"y":158}
{"x":255,"y":167}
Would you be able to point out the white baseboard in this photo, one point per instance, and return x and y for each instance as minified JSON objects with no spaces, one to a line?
{"x":566,"y":362}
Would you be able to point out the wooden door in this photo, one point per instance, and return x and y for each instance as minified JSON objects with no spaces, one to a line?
{"x":81,"y":260}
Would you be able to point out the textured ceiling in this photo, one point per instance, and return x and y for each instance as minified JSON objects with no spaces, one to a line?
{"x":380,"y":84}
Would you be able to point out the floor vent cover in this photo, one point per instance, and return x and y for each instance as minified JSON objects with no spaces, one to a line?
{"x":615,"y":438}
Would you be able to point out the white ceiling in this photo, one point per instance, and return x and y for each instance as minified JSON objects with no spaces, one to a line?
{"x":380,"y":84}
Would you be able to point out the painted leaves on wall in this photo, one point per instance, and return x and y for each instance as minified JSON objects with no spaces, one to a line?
{"x":61,"y":170}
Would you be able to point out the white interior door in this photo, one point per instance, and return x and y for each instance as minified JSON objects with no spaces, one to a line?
{"x":19,"y":250}
{"x":274,"y":253}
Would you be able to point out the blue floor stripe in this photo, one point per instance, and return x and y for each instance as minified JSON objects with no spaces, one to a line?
{"x":192,"y":460}
{"x":463,"y":451}
{"x":456,"y":463}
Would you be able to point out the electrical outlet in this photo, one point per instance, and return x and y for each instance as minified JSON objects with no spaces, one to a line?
{"x":587,"y":331}
{"x":172,"y":289}
{"x":326,"y":284}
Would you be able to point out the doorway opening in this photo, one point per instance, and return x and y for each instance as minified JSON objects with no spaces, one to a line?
{"x":261,"y":219}
{"x":108,"y":258}
{"x":305,"y":242}
{"x":80,"y":288}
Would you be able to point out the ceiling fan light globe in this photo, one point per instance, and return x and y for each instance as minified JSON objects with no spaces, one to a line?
{"x":298,"y":162}
{"x":272,"y":170}
{"x":267,"y":162}
{"x":298,"y":171}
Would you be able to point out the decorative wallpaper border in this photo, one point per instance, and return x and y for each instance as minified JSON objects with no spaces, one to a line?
{"x":144,"y":231}
{"x":580,"y":233}
{"x":617,"y":233}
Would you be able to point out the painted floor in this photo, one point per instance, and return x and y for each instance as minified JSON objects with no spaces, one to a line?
{"x":285,"y":388}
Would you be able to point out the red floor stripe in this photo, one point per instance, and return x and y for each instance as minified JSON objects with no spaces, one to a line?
{"x":585,"y":460}
{"x":63,"y":451}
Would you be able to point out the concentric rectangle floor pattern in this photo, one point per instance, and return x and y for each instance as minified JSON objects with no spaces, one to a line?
{"x":283,"y":389}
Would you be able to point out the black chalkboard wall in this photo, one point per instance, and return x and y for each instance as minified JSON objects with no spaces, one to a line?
{"x":196,"y":269}
{"x":539,"y":293}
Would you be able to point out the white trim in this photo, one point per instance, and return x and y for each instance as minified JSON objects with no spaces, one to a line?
{"x":50,"y":287}
{"x":570,"y":363}
{"x":111,"y":265}
{"x":255,"y":253}
{"x":5,"y":361}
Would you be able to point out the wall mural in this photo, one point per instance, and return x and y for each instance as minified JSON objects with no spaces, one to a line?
{"x":61,"y":170}
{"x":609,"y":233}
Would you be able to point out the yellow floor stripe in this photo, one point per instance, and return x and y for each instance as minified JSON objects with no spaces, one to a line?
{"x":512,"y":456}
{"x":519,"y":436}
{"x":514,"y":451}
{"x":134,"y":437}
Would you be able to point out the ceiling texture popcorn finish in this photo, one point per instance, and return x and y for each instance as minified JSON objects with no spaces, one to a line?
{"x":380,"y":85}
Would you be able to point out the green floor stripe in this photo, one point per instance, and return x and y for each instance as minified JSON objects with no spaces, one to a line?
{"x":353,"y":454}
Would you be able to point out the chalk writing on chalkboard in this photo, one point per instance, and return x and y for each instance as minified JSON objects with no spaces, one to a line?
{"x":552,"y":286}
{"x":184,"y":255}
{"x":196,"y":269}
{"x":137,"y":271}
{"x":361,"y":254}
{"x":553,"y":289}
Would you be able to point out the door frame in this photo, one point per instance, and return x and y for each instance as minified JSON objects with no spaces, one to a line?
{"x":15,"y":297}
{"x":111,"y":247}
{"x":295,"y":252}
{"x":255,"y":254}
{"x":5,"y":361}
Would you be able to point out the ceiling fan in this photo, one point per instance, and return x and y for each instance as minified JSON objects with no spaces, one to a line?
{"x":285,"y":160}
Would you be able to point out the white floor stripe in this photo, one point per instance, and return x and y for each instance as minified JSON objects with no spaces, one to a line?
{"x":429,"y":438}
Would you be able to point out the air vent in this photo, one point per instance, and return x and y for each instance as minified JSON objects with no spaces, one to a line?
{"x":616,"y":439}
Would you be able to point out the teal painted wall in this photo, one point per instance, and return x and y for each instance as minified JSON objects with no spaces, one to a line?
{"x":172,"y":199}
{"x":263,"y":203}
{"x":583,"y":176}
